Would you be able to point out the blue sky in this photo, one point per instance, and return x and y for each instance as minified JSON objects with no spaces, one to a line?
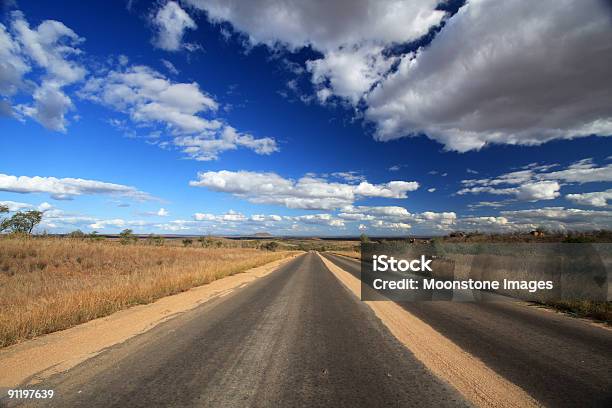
{"x":228,"y":117}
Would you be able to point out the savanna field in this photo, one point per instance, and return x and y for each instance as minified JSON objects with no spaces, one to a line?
{"x":49,"y":284}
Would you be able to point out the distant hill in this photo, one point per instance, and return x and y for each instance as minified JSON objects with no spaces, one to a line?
{"x":262,"y":235}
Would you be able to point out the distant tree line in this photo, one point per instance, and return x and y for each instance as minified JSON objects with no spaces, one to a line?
{"x":78,"y":234}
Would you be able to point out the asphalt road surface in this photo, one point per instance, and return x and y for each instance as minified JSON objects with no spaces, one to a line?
{"x":558,"y":360}
{"x":298,"y":338}
{"x":295,"y":338}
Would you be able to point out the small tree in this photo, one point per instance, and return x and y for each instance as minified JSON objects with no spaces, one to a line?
{"x":187,"y":242}
{"x":78,"y":234}
{"x":23,"y":221}
{"x":156,"y":240}
{"x":206,"y":242}
{"x":364,"y":238}
{"x":95,"y":236}
{"x":127,"y":236}
{"x":270,"y":246}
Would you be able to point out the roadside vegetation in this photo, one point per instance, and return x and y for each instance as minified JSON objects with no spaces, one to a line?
{"x":598,"y":310}
{"x":538,"y":235}
{"x":601,"y":311}
{"x":353,"y":251}
{"x":52,"y":283}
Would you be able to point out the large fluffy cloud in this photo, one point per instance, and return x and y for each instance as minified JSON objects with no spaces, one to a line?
{"x":517,"y":72}
{"x":349,"y":72}
{"x":50,"y":106}
{"x":307,"y":192}
{"x":44,"y":60}
{"x":66,"y":188}
{"x":149,"y":97}
{"x":153,"y":100}
{"x":12,"y":64}
{"x":171,"y":22}
{"x":52,"y":49}
{"x":594,"y":199}
{"x":351,"y":35}
{"x":322,"y":24}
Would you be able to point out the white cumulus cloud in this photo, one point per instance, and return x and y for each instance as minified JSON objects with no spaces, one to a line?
{"x":153,"y":100}
{"x":349,"y":72}
{"x":322,"y":24}
{"x":207,"y":147}
{"x":308,"y":192}
{"x":514,"y":72}
{"x":594,"y":199}
{"x":395,"y":217}
{"x":49,"y":52}
{"x":519,"y":72}
{"x":537,"y":182}
{"x":66,"y":188}
{"x":170,"y":23}
{"x":149,"y":97}
{"x":351,"y":35}
{"x":560,"y":218}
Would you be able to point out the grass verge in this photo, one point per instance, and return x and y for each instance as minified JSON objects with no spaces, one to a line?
{"x":601,"y":311}
{"x":50,"y":284}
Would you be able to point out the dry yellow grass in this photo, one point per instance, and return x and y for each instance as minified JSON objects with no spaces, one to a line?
{"x":49,"y":284}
